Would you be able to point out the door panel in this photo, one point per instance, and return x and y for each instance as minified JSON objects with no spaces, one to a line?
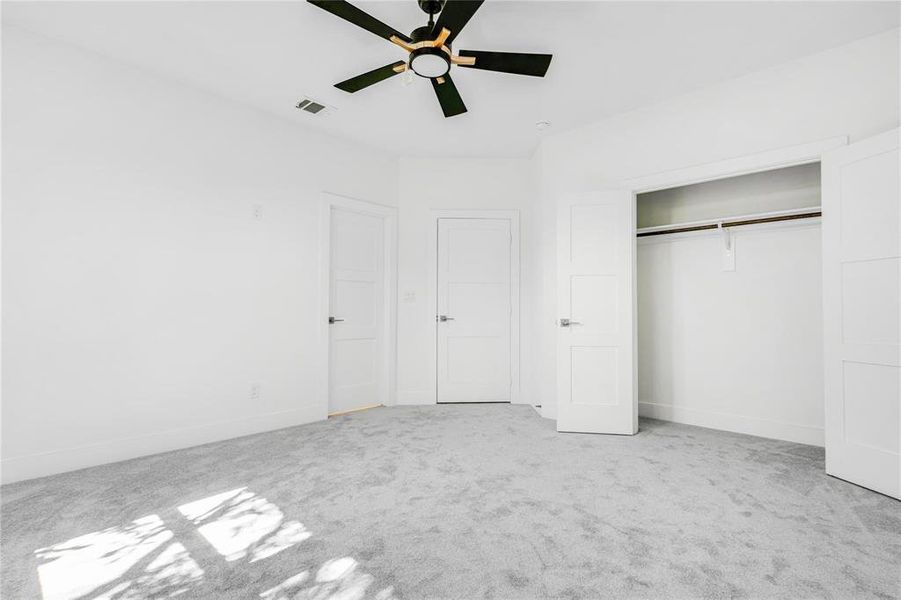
{"x":593,"y":373}
{"x":861,"y":306}
{"x":356,"y":343}
{"x":595,"y":353}
{"x":474,"y":293}
{"x":593,"y":303}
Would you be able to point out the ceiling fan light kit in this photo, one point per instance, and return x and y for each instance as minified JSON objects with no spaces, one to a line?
{"x":426,"y":59}
{"x":429,"y":50}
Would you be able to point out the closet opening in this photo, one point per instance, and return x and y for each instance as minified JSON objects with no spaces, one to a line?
{"x":729,"y":310}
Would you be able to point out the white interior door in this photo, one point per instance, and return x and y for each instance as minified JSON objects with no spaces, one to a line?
{"x":357,"y":337}
{"x":474,"y":310}
{"x":596,"y":299}
{"x":861,"y":281}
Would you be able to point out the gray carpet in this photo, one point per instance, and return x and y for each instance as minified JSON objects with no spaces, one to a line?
{"x":454,"y":502}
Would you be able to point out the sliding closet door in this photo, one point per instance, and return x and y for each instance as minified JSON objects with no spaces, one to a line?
{"x":861,"y":281}
{"x":596,"y":301}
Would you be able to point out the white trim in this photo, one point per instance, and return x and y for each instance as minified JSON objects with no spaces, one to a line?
{"x":18,"y":468}
{"x":744,"y":165}
{"x":415,"y":397}
{"x":790,"y":432}
{"x":389,"y":216}
{"x":432,"y":294}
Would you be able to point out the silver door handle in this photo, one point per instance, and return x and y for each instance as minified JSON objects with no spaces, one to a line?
{"x":567,"y":323}
{"x":334,"y":320}
{"x":443,"y":318}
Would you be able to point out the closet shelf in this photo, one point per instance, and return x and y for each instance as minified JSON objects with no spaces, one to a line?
{"x":737,"y":221}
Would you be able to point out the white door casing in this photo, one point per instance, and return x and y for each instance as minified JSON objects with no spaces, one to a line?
{"x":474,"y":310}
{"x":596,"y":370}
{"x":862,"y":312}
{"x":357,"y":241}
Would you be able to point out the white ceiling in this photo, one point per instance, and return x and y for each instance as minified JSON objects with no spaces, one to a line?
{"x":609,"y":57}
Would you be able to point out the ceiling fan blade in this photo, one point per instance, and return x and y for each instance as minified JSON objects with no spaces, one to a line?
{"x":455,"y":16}
{"x":448,"y":96}
{"x":349,"y":12}
{"x":509,"y":62}
{"x":355,"y":84}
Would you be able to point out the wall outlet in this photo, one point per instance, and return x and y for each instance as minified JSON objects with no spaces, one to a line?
{"x":409,"y":297}
{"x":257,"y":212}
{"x":254,"y":392}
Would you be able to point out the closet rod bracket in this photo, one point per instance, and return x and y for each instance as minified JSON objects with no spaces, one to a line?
{"x":727,"y":236}
{"x":728,"y":247}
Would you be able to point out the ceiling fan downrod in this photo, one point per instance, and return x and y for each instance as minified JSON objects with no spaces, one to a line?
{"x":432,"y":7}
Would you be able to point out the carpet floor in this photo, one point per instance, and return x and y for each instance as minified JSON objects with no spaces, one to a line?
{"x":477,"y":501}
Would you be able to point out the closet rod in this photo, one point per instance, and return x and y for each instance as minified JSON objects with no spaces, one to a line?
{"x":733,"y":223}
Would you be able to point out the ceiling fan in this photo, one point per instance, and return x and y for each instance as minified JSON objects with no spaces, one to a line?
{"x":429,"y":49}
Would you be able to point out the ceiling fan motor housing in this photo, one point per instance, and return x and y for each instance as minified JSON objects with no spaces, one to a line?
{"x":428,"y":61}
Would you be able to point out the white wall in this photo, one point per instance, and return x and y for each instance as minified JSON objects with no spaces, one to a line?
{"x":776,"y":190}
{"x":850,"y":90}
{"x":142,"y":299}
{"x":430,"y":184}
{"x":738,"y":350}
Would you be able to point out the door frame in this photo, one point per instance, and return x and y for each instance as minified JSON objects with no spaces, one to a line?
{"x":388,"y":214}
{"x":770,"y":160}
{"x":432,"y":291}
{"x":778,"y":158}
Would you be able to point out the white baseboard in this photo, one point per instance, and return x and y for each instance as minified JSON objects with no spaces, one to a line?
{"x":19,"y":468}
{"x":802,"y":434}
{"x":415,"y":397}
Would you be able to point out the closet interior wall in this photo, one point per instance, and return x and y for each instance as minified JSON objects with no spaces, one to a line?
{"x":730,"y":319}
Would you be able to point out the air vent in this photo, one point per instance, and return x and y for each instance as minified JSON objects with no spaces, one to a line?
{"x":314,"y":107}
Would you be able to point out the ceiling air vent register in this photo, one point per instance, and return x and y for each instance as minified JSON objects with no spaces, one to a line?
{"x":308,"y":105}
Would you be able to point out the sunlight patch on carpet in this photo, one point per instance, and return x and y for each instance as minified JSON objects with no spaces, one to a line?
{"x":240,"y":524}
{"x":138,"y":560}
{"x":336,"y":579}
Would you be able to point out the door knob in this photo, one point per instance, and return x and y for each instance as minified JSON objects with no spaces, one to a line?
{"x":334,"y":320}
{"x":567,"y":323}
{"x":443,"y":318}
